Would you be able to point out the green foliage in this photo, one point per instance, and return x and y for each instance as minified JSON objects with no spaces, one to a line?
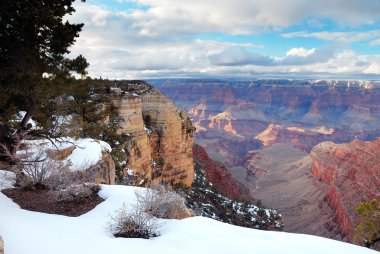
{"x":88,"y":107}
{"x":369,"y":214}
{"x":35,"y":38}
{"x":33,"y":48}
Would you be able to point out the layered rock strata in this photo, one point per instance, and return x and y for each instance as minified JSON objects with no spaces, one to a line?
{"x":352,"y":172}
{"x":219,"y":176}
{"x":158,"y":138}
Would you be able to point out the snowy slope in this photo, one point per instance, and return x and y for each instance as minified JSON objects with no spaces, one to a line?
{"x":26,"y":232}
{"x":87,"y":151}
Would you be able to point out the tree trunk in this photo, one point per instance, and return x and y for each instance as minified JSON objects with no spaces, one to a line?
{"x":9,"y":142}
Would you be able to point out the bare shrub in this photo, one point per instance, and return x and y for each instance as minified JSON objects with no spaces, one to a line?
{"x":77,"y":192}
{"x":133,"y":223}
{"x":85,"y":173}
{"x":41,"y":171}
{"x":162,"y":202}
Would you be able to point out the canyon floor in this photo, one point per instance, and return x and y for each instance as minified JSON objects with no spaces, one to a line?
{"x":279,"y":176}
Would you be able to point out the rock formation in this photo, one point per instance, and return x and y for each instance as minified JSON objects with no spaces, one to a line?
{"x":89,"y":157}
{"x":103,"y":172}
{"x":352,"y":172}
{"x":158,"y":138}
{"x":302,"y":138}
{"x":106,"y":172}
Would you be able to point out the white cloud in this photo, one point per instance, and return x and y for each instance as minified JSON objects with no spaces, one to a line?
{"x":161,"y":41}
{"x":247,"y":16}
{"x":347,"y":37}
{"x":300,"y":52}
{"x":238,"y":56}
{"x":375,"y":42}
{"x":374,"y":68}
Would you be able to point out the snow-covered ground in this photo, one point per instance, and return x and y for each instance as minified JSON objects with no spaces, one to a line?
{"x":26,"y":232}
{"x":87,"y":151}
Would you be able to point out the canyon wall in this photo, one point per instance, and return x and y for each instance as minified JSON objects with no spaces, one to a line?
{"x":219,"y":176}
{"x":158,"y":138}
{"x":352,"y":172}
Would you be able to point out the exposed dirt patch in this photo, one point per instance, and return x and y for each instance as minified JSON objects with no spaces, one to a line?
{"x":44,"y":201}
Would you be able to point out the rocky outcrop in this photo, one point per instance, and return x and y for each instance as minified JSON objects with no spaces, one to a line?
{"x":241,"y":120}
{"x":352,"y":172}
{"x":304,"y":139}
{"x":106,"y":170}
{"x":90,"y":158}
{"x":103,"y":172}
{"x":219,"y":176}
{"x":158,"y":138}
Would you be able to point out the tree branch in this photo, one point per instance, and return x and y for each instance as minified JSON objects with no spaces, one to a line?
{"x":29,"y":113}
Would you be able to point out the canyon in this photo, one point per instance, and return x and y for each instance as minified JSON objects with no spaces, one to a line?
{"x":306,"y":148}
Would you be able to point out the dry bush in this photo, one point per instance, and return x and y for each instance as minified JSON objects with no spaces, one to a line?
{"x":134,"y":223}
{"x":77,"y":192}
{"x":162,"y":202}
{"x":41,"y":171}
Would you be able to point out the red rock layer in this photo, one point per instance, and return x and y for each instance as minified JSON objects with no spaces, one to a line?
{"x":353,"y":173}
{"x":219,"y":176}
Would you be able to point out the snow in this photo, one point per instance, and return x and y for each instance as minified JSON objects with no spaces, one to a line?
{"x":148,"y":131}
{"x":130,"y":172}
{"x":7,"y":179}
{"x":20,"y":115}
{"x":87,"y":152}
{"x":32,"y":232}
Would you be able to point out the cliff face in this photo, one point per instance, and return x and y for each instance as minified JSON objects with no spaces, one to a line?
{"x":352,"y":172}
{"x":158,"y":138}
{"x":219,"y":176}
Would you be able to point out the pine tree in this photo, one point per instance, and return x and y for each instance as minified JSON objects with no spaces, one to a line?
{"x":369,"y":228}
{"x":33,"y":48}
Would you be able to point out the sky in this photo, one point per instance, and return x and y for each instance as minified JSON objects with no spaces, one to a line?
{"x":142,"y":39}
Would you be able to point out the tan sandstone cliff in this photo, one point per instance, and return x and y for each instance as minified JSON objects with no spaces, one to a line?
{"x":158,"y":138}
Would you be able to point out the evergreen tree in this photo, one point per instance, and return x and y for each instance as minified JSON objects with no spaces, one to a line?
{"x":33,"y":58}
{"x":369,"y":228}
